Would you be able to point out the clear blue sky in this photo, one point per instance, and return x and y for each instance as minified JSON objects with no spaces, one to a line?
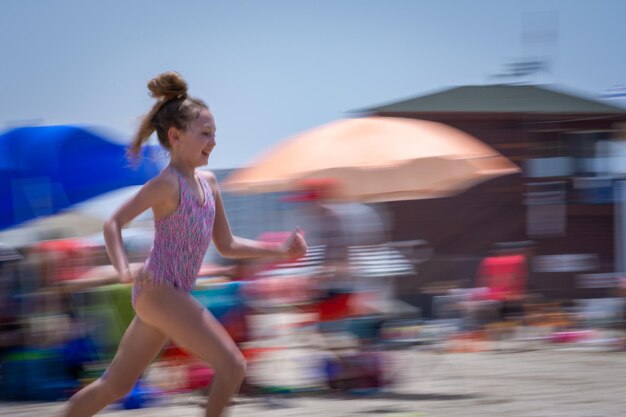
{"x":270,"y":69}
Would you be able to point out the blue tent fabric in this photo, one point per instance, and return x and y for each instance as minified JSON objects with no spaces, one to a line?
{"x":45,"y":169}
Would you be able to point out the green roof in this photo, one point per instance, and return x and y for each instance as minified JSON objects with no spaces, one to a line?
{"x":499,"y":99}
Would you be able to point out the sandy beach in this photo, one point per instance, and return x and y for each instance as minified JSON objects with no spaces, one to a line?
{"x":548,"y":382}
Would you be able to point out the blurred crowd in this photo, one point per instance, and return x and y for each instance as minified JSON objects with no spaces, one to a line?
{"x":329,"y":321}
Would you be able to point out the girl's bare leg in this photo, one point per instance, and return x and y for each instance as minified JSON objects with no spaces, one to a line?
{"x":139,"y":346}
{"x":191,"y":326}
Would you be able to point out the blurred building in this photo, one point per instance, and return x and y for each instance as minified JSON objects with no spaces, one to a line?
{"x":572,"y":152}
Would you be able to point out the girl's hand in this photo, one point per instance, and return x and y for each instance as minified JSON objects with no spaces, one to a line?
{"x":136,"y":275}
{"x":126,"y":276}
{"x":143,"y":277}
{"x":295,"y":245}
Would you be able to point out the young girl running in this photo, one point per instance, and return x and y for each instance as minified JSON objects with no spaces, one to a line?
{"x":188,"y":213}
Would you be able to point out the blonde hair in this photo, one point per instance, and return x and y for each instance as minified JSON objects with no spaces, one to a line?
{"x":174,"y":108}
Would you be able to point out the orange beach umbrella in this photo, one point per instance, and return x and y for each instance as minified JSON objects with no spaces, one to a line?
{"x":376,"y":159}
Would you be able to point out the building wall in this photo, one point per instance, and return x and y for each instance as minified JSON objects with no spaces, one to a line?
{"x":556,"y":219}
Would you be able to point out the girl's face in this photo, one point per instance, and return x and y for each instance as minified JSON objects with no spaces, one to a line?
{"x":195,"y":144}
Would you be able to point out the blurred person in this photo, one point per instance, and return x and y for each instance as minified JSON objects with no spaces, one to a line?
{"x":11,"y":331}
{"x":189,"y":213}
{"x":340,"y":226}
{"x":502,"y":279}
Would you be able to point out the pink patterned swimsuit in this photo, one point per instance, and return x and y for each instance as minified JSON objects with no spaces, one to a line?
{"x":181,"y":239}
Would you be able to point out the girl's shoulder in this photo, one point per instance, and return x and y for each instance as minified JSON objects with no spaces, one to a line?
{"x":210,"y":178}
{"x":166,"y":184}
{"x":167,"y":179}
{"x":207,"y":175}
{"x":159,"y":193}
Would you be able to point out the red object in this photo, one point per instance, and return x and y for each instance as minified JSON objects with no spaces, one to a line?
{"x":70,"y":258}
{"x":314,"y":189}
{"x":504,"y":276}
{"x":336,"y":307}
{"x":199,"y":376}
{"x":173,"y":352}
{"x":571,"y":336}
{"x":252,"y":354}
{"x":305,"y":196}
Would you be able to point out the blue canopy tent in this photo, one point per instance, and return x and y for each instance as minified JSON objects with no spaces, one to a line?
{"x":46,"y":169}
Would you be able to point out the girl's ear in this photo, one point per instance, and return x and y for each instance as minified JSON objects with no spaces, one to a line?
{"x":173,"y":135}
